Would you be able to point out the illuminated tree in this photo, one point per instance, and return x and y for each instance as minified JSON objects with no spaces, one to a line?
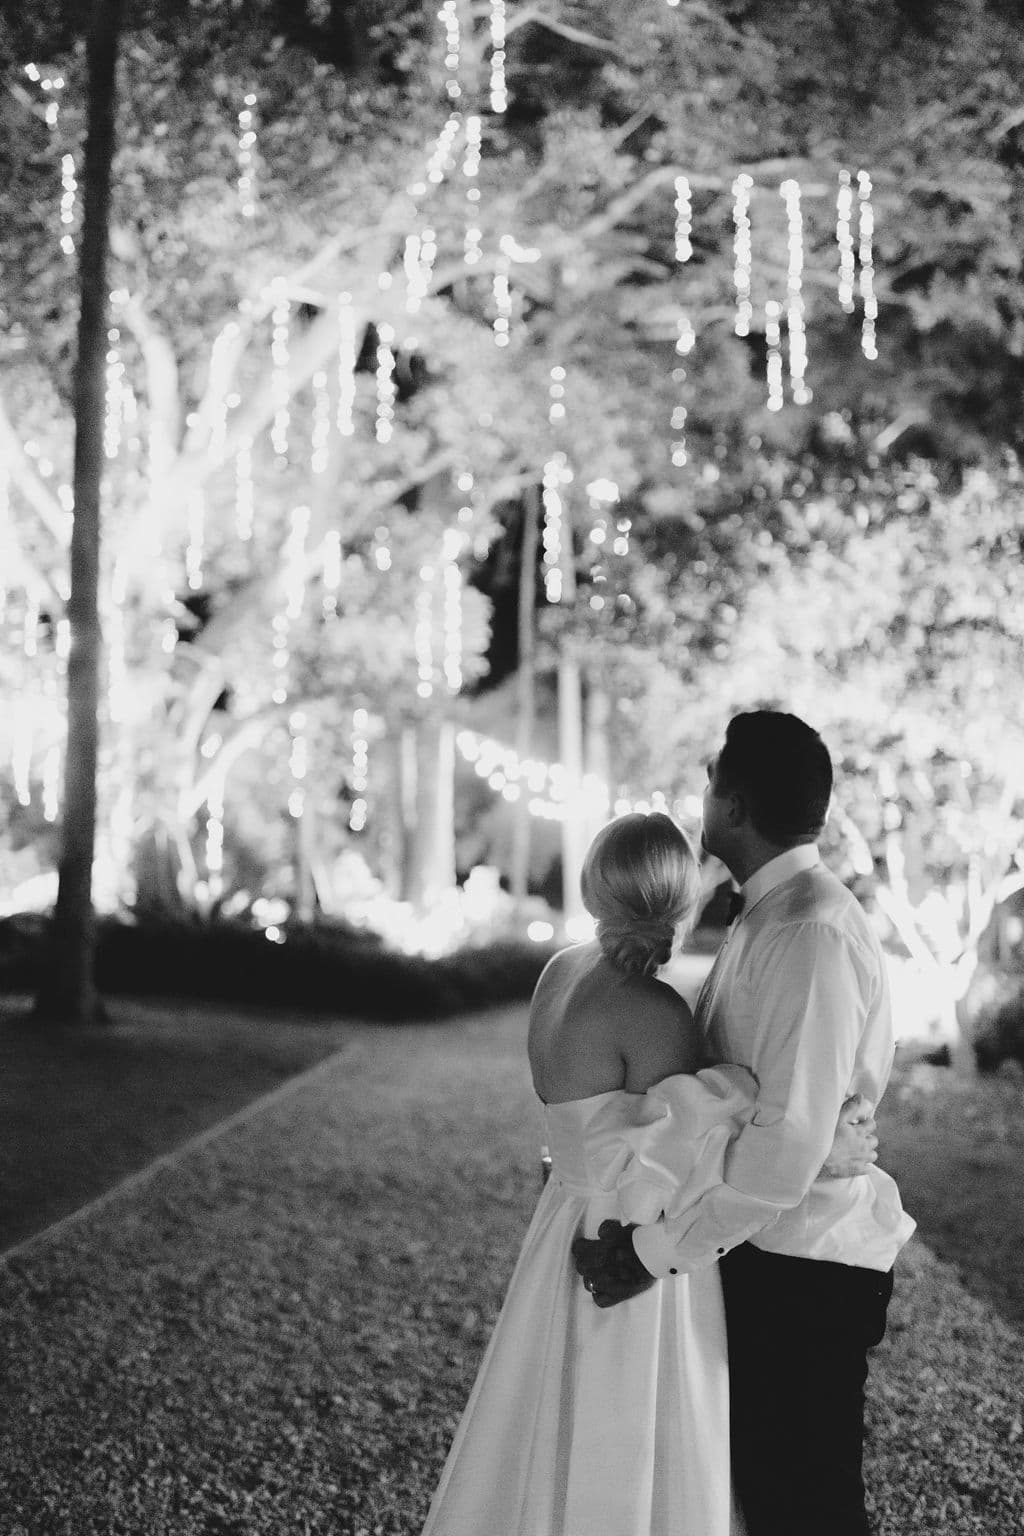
{"x":602,"y":246}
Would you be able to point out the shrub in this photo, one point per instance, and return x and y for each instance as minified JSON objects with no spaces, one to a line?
{"x":330,"y":970}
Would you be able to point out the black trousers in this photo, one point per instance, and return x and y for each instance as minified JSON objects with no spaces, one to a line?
{"x":799,"y":1331}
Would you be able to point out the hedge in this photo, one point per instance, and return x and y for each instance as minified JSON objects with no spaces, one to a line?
{"x":330,"y":969}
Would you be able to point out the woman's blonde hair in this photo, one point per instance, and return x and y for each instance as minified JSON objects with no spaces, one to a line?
{"x":641,"y":881}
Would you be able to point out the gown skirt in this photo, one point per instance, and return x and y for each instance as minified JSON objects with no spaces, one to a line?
{"x":586,"y":1421}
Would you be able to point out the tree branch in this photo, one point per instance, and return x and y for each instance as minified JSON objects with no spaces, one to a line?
{"x":573,"y":34}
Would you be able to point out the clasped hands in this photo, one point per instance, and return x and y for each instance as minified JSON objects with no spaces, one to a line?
{"x":608,"y":1264}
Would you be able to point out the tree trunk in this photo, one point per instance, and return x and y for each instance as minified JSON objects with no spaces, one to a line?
{"x":433,"y":845}
{"x":570,"y":740}
{"x":598,"y":749}
{"x":67,"y":992}
{"x":525,"y":689}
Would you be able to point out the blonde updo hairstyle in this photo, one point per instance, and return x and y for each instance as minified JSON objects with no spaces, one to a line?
{"x":641,"y":882}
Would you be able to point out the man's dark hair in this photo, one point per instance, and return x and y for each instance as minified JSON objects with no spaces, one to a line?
{"x":782,"y":769}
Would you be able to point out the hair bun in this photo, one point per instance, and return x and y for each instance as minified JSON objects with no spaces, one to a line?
{"x":638,"y":947}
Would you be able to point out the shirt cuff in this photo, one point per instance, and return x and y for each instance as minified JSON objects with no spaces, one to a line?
{"x":656,"y":1251}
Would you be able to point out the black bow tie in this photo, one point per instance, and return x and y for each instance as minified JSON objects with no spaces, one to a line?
{"x":735,"y":906}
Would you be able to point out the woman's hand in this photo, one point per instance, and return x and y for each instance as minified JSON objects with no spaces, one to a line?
{"x":855,"y":1144}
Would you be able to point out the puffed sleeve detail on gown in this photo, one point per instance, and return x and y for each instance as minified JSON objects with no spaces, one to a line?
{"x":675,"y":1145}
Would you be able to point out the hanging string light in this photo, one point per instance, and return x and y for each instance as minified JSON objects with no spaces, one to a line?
{"x":471,"y":170}
{"x":279,"y":353}
{"x":620,"y":544}
{"x":298,"y":763}
{"x":844,"y":240}
{"x":423,"y":634}
{"x":448,"y":16}
{"x":556,"y":395}
{"x":452,"y":545}
{"x":685,"y":341}
{"x":790,"y":191}
{"x":22,"y":741}
{"x":114,"y":401}
{"x":773,"y":341}
{"x":602,"y":495}
{"x":387,"y":390}
{"x":332,"y":572}
{"x":442,"y":157}
{"x":502,"y":322}
{"x":684,"y":219}
{"x":51,"y":783}
{"x":247,"y":157}
{"x":346,"y":366}
{"x":556,"y":474}
{"x":498,"y":82}
{"x":68,"y":197}
{"x":382,"y":547}
{"x":546,"y":785}
{"x":865,"y":235}
{"x":359,"y":777}
{"x":213,"y":852}
{"x":742,"y":252}
{"x":244,"y":490}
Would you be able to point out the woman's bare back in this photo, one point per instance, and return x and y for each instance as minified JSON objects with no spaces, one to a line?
{"x":594,"y":1029}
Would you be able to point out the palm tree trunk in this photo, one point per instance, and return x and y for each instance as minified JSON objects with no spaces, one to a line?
{"x":525,"y":688}
{"x":67,"y":991}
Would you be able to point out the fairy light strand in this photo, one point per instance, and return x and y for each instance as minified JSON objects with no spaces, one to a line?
{"x":247,"y":157}
{"x":790,"y":192}
{"x":114,"y":396}
{"x":685,"y":336}
{"x":359,"y":777}
{"x":742,"y":252}
{"x":773,"y":341}
{"x":68,"y":200}
{"x":685,"y":341}
{"x":502,"y":323}
{"x":556,"y":474}
{"x":448,"y":16}
{"x":684,"y":219}
{"x":844,"y":240}
{"x":498,"y":85}
{"x":471,"y":170}
{"x":387,"y":390}
{"x":556,"y":394}
{"x":381,"y":548}
{"x":298,"y":763}
{"x":865,"y":241}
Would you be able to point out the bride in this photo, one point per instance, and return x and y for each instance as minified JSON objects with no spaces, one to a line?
{"x":589,"y":1421}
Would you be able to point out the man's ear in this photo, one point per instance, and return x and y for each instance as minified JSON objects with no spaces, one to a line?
{"x":736,"y":810}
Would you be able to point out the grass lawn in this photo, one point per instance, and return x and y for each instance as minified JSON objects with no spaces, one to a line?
{"x":276,"y":1333}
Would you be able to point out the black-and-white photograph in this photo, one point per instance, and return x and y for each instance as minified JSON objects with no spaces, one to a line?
{"x":511,"y":768}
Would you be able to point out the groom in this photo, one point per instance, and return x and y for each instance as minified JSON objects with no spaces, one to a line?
{"x":798,"y":995}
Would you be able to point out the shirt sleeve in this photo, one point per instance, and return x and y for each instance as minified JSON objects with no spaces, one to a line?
{"x":811,"y":990}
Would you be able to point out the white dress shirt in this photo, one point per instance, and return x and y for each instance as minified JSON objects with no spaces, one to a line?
{"x":799,"y":995}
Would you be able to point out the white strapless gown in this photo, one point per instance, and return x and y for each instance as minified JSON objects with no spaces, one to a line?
{"x":591,"y":1422}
